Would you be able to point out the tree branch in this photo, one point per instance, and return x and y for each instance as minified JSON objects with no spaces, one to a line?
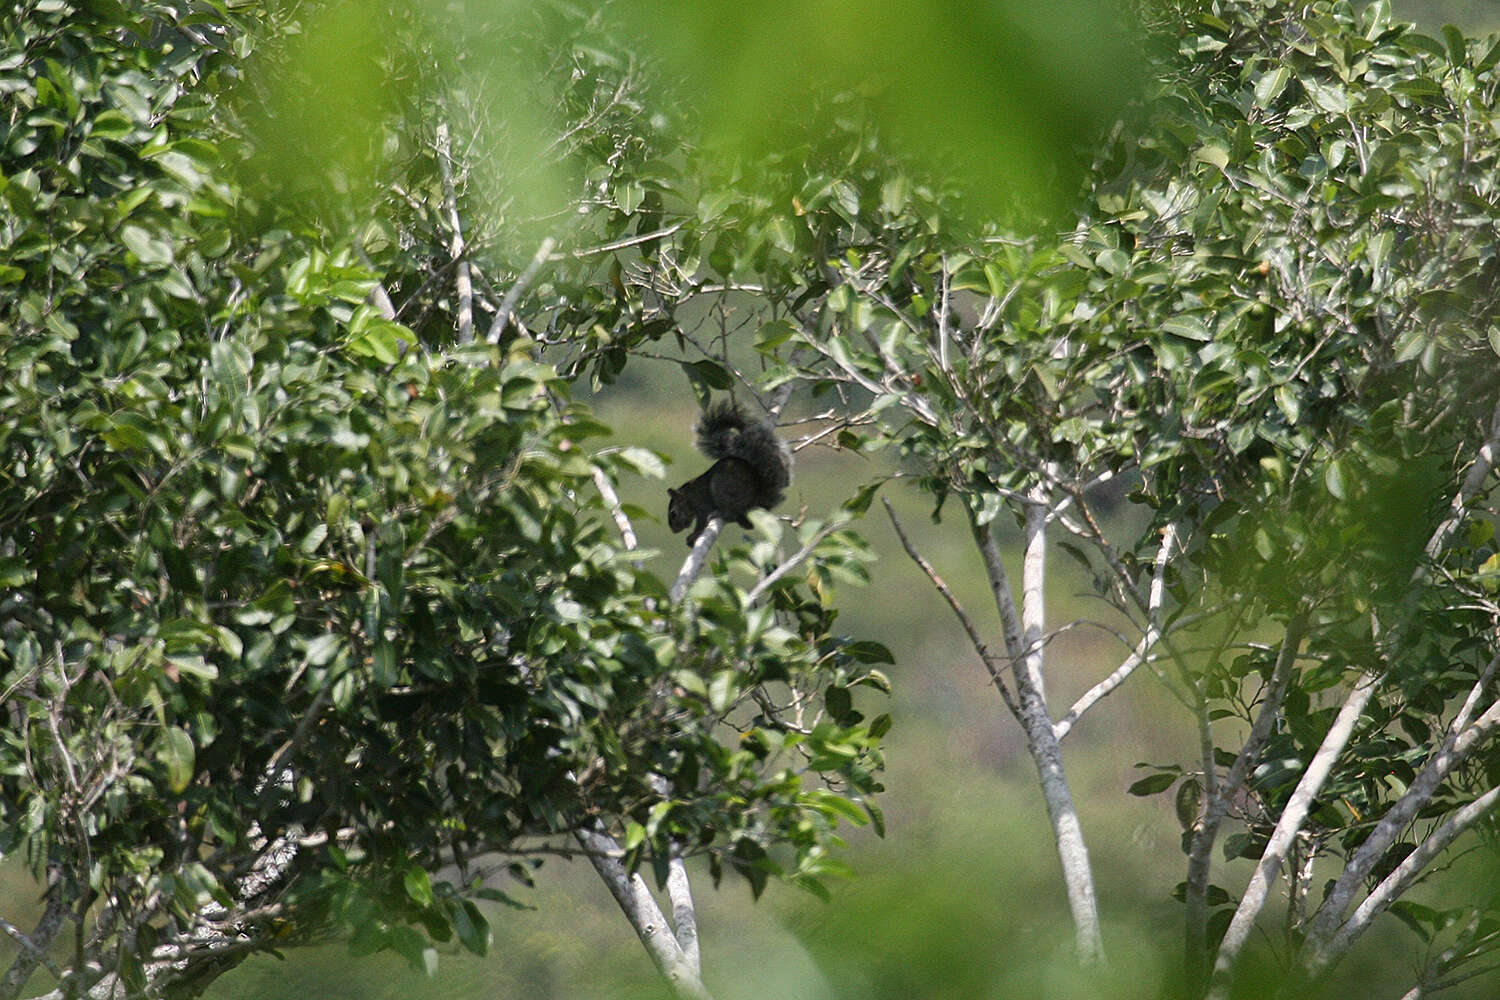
{"x":791,"y":563}
{"x":1287,"y":828}
{"x":1024,"y":641}
{"x":462,"y":284}
{"x":502,"y":316}
{"x":1484,"y":463}
{"x":1462,"y":740}
{"x":991,"y":662}
{"x":1216,"y":805}
{"x":650,"y":924}
{"x":1137,"y":656}
{"x":1407,"y":872}
{"x":34,"y":946}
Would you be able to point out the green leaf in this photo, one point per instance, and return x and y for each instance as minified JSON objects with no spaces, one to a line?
{"x":833,"y":803}
{"x":1213,"y":154}
{"x":1335,"y":477}
{"x":418,"y":885}
{"x":1190,"y":327}
{"x":838,"y":701}
{"x":473,"y":929}
{"x":176,"y":751}
{"x":14,"y":572}
{"x":707,"y":373}
{"x":865,"y":651}
{"x":194,"y":666}
{"x":723,"y":689}
{"x":148,"y":249}
{"x":1270,"y":85}
{"x":773,"y":334}
{"x":1152,"y":784}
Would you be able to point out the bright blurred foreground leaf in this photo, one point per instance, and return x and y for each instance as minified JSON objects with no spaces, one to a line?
{"x":994,"y":95}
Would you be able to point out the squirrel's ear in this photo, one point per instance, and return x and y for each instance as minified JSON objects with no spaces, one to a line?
{"x":672,"y":494}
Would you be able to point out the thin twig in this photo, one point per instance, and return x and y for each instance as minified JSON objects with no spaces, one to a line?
{"x":791,"y":563}
{"x":614,"y":245}
{"x":992,"y":664}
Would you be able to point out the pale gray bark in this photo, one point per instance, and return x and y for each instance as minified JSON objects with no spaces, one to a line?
{"x":651,"y":926}
{"x":1219,"y":794}
{"x":1292,"y":817}
{"x":1399,"y":880}
{"x":1462,"y":740}
{"x":502,"y":317}
{"x":34,"y":945}
{"x":463,"y":285}
{"x":1149,"y":638}
{"x":1024,"y":640}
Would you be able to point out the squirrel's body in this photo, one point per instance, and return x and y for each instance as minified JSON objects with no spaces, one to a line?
{"x":751,"y":469}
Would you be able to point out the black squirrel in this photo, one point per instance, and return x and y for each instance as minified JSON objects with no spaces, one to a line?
{"x":752,"y":468}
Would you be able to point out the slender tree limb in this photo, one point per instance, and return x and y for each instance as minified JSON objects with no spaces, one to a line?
{"x":614,"y":245}
{"x":696,"y":559}
{"x":793,"y":561}
{"x":640,"y":908}
{"x":1401,"y":878}
{"x":1216,"y":805}
{"x":1484,"y":464}
{"x":617,"y":510}
{"x":1287,"y":828}
{"x":994,"y":568}
{"x":1142,"y":648}
{"x":1455,"y":749}
{"x":679,"y":888}
{"x":992,"y":663}
{"x":684,"y":914}
{"x":502,"y":316}
{"x":457,"y":248}
{"x":1024,"y":640}
{"x":34,"y":946}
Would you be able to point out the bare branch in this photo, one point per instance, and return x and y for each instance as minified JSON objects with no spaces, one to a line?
{"x":992,"y":663}
{"x":456,"y":245}
{"x":1461,"y":741}
{"x":796,"y":559}
{"x":1407,"y":872}
{"x":1292,"y":817}
{"x":34,"y":946}
{"x":684,"y":914}
{"x":1142,"y":649}
{"x":994,"y":568}
{"x":1484,"y":463}
{"x":617,"y":510}
{"x":640,"y":908}
{"x":502,"y":316}
{"x":1030,"y":677}
{"x":1024,"y":641}
{"x":695,"y":560}
{"x":614,"y":245}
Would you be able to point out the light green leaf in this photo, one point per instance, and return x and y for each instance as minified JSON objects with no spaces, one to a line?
{"x":175,"y":750}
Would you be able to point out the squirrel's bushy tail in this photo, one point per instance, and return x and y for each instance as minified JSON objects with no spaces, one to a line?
{"x":726,"y":431}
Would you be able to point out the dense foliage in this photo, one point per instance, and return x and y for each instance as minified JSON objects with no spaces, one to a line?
{"x":304,"y":599}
